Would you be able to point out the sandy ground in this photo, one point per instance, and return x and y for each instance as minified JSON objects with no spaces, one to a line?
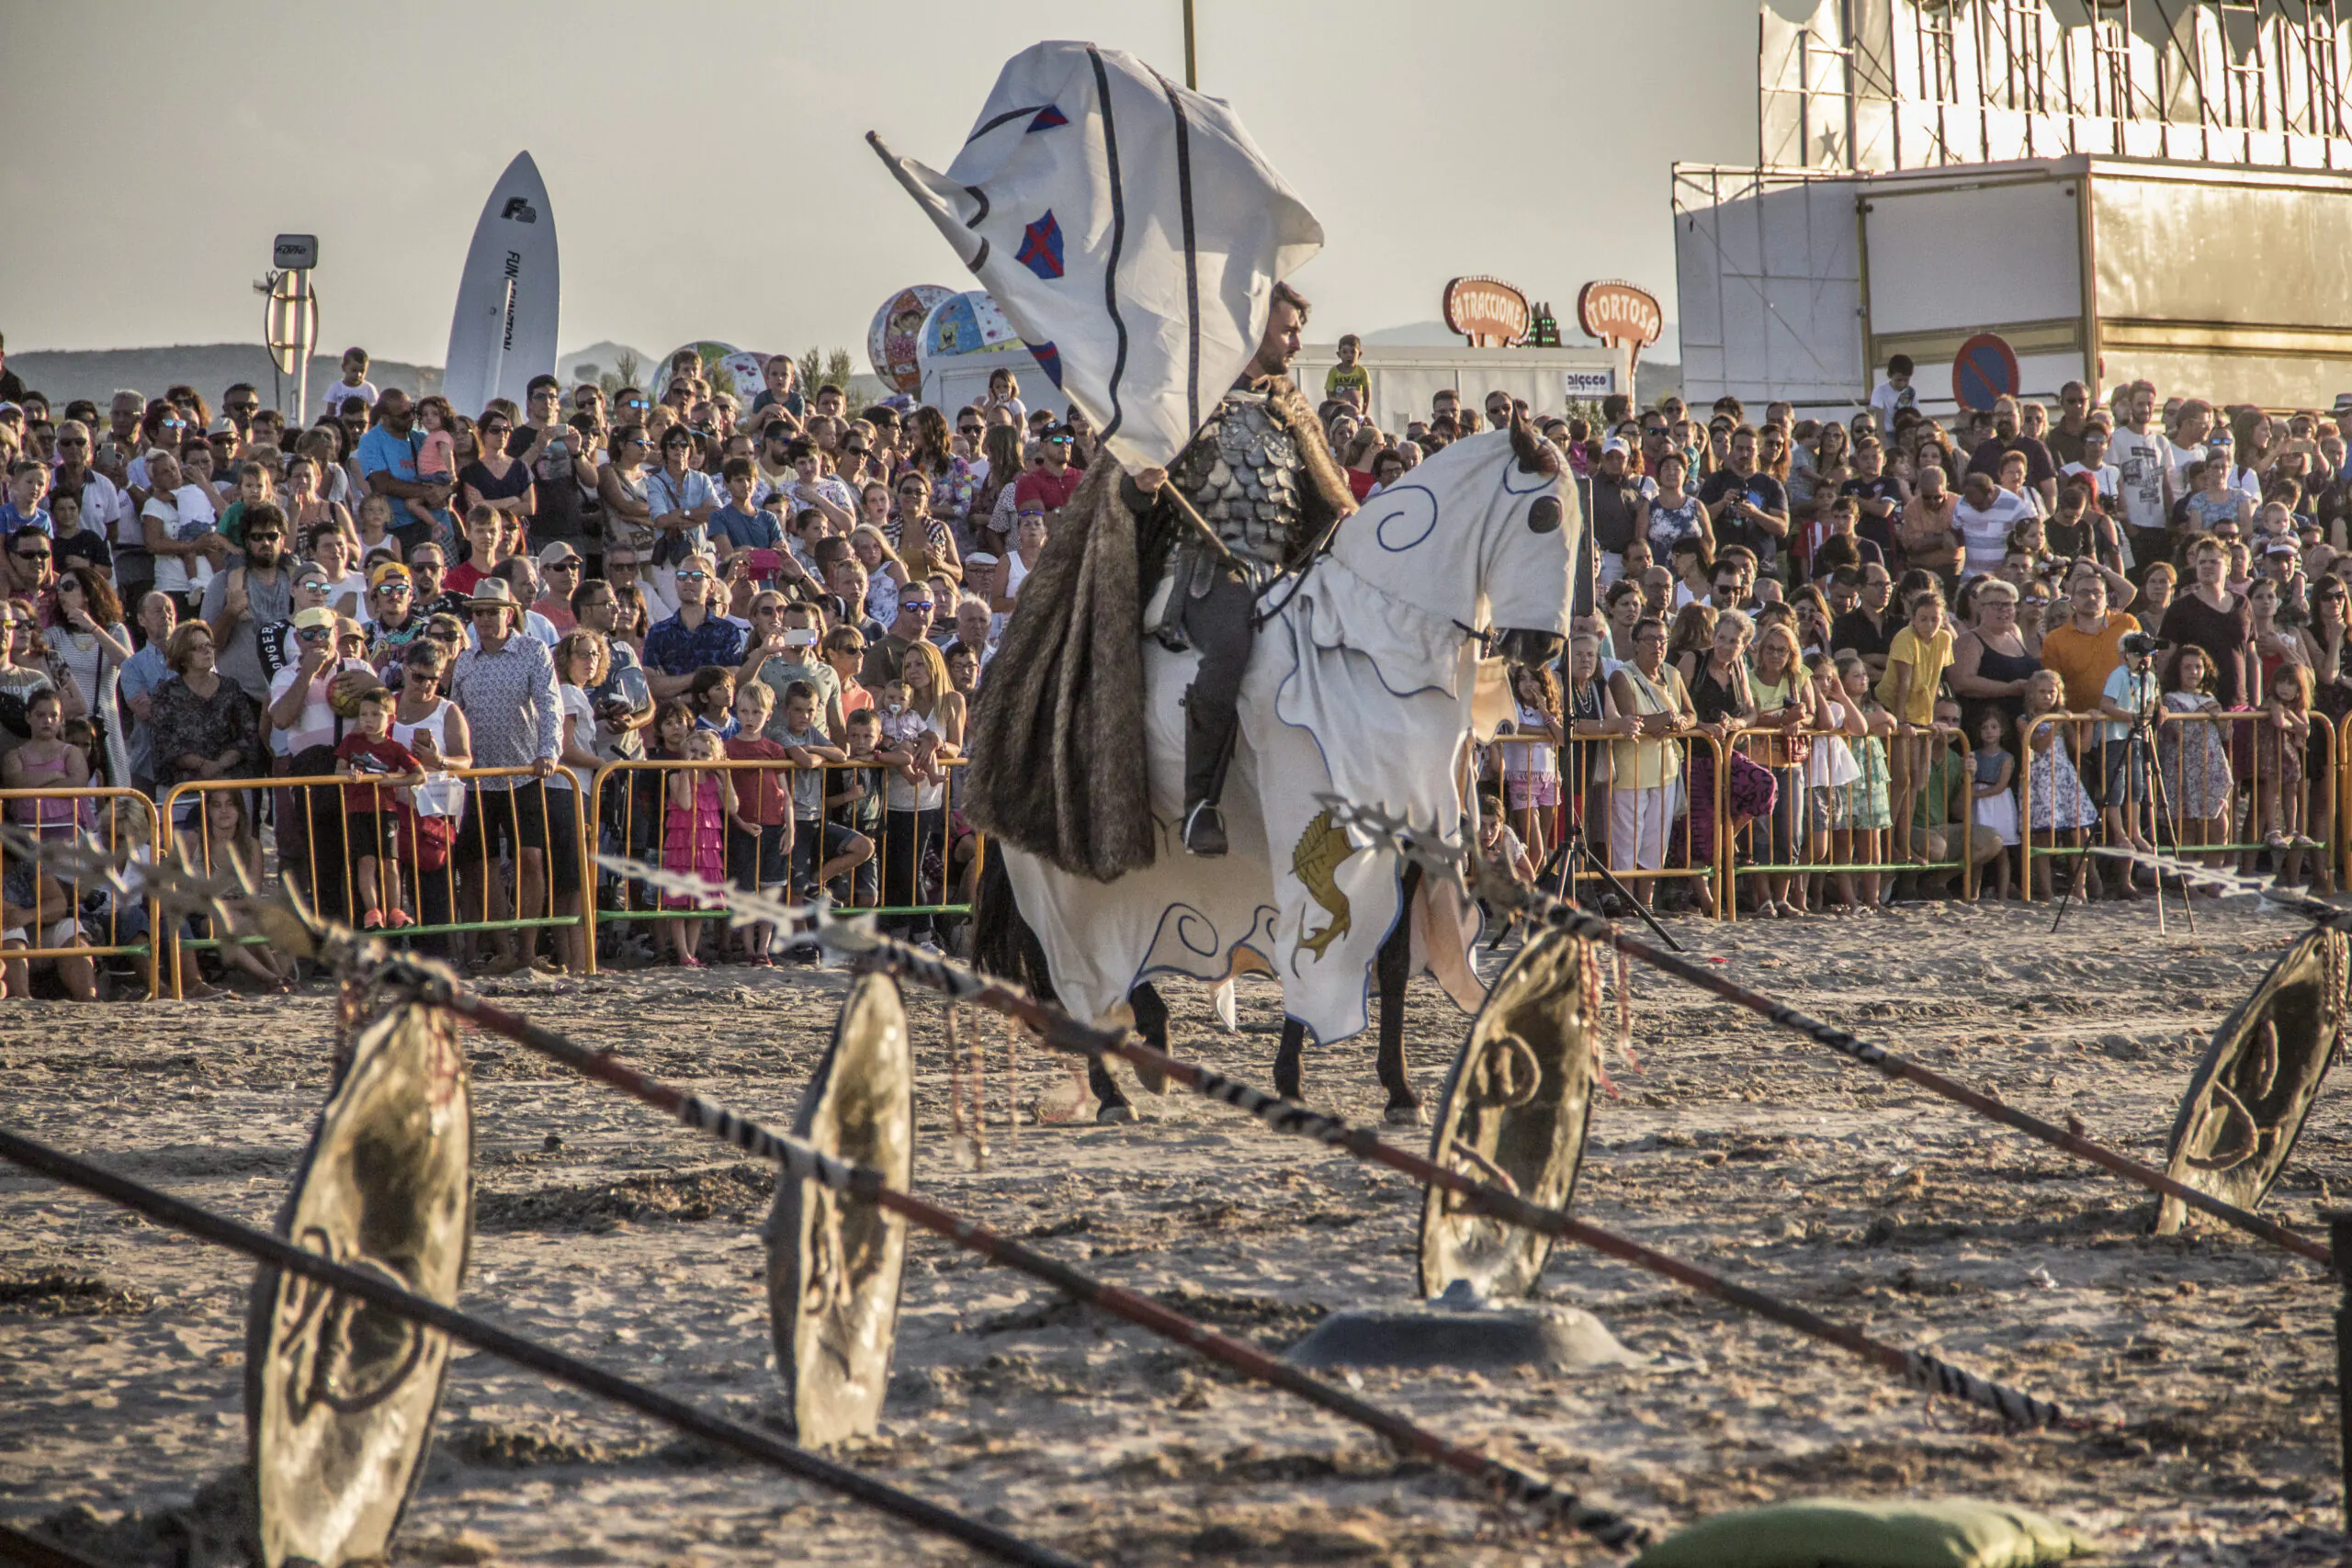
{"x":633,"y":1243}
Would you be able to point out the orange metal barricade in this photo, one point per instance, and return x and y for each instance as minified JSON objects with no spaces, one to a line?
{"x":1811,"y":813}
{"x":1587,"y":802}
{"x":630,"y":809}
{"x":421,"y":878}
{"x":129,"y":814}
{"x":2263,"y":778}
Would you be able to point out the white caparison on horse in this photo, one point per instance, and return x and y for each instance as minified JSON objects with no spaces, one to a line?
{"x":1360,"y":685}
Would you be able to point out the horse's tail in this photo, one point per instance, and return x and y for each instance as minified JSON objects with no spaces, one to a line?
{"x":1002,"y":942}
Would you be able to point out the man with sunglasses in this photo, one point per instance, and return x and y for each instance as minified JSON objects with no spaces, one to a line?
{"x":561,"y":570}
{"x":239,"y":602}
{"x":31,"y":572}
{"x":624,"y":700}
{"x":1049,"y":485}
{"x":428,"y":571}
{"x":393,"y":621}
{"x":698,"y":634}
{"x":885,"y":656}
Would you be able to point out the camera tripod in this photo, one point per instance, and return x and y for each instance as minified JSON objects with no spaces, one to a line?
{"x":1573,"y":853}
{"x":2138,"y":751}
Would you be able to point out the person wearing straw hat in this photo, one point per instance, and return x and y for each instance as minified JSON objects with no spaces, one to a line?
{"x":506,"y":686}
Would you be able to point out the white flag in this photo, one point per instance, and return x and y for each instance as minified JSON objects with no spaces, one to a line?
{"x":1130,"y":229}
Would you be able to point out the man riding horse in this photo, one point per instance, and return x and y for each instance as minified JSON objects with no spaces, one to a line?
{"x":1260,"y":474}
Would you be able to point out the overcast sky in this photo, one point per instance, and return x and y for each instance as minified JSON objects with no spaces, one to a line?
{"x":708,"y":168}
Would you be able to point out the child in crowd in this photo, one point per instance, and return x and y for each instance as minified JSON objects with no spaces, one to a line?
{"x":2056,"y":801}
{"x":436,"y":452}
{"x":355,"y":382}
{"x":1993,"y":784}
{"x":712,"y":694}
{"x":693,"y":834}
{"x":759,"y":835}
{"x":48,"y":760}
{"x":2282,"y":740}
{"x":376,"y":525}
{"x":902,"y":727}
{"x":1828,"y":773}
{"x":1862,"y":812}
{"x":820,"y":851}
{"x":1531,"y":767}
{"x":77,"y":546}
{"x":739,"y":525}
{"x":1915,"y":661}
{"x":2193,"y":752}
{"x":369,"y":752}
{"x":1498,"y":845}
{"x":854,"y":801}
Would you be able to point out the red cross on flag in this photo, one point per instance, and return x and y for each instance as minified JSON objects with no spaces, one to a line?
{"x":1128,"y":229}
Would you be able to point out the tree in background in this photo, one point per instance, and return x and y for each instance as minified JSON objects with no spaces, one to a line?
{"x":818,"y":367}
{"x":625,"y":365}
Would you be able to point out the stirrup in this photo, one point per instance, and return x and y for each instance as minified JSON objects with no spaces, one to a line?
{"x":1204,"y":831}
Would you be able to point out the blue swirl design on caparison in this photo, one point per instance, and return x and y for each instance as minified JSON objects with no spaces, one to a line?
{"x":1408,"y":510}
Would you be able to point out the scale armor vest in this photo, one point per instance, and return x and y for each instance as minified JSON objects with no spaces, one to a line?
{"x":1243,"y":473}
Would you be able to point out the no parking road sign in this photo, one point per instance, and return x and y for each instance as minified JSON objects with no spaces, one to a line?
{"x":1984,"y":371}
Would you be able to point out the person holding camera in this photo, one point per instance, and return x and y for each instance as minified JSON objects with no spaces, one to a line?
{"x":781,"y":650}
{"x":2130,"y":701}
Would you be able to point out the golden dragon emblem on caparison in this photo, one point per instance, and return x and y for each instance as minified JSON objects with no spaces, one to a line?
{"x":1315,"y":860}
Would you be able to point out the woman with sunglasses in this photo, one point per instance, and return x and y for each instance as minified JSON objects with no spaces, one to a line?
{"x":918,"y":538}
{"x":953,"y":481}
{"x":621,"y":488}
{"x":89,"y":645}
{"x":681,"y":500}
{"x":494,"y":479}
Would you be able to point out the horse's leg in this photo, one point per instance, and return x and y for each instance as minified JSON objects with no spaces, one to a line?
{"x":1287,"y":1073}
{"x":1391,"y":966}
{"x":1151,"y":1022}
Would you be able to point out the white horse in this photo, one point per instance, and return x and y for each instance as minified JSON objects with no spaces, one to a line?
{"x":1360,"y":685}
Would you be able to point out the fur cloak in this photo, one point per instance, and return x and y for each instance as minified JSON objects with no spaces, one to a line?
{"x":1057,"y":769}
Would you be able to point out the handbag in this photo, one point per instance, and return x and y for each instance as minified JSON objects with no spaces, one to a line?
{"x":1750,"y":791}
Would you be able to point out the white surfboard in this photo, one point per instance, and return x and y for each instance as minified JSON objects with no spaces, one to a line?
{"x":505,"y":329}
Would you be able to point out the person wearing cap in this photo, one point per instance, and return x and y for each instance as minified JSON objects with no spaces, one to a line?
{"x":239,"y":602}
{"x":505,"y":685}
{"x":393,"y":621}
{"x":561,"y":569}
{"x":1620,"y":507}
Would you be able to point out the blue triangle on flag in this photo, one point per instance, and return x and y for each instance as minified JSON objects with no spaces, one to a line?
{"x":1047,"y":118}
{"x":1049,"y":360}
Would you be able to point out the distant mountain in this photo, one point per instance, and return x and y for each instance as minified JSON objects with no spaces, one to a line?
{"x":209,"y":367}
{"x":1413,"y":334}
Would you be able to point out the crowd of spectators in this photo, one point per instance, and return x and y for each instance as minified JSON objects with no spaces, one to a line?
{"x":448,"y":623}
{"x":1831,"y":637}
{"x":1902,"y":648}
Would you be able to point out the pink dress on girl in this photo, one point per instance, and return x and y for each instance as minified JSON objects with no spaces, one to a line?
{"x":696,"y":840}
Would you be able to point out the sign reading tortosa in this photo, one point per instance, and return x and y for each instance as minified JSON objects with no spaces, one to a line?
{"x":1620,"y":315}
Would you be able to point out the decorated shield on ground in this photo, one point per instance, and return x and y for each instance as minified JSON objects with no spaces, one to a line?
{"x":834,"y":1264}
{"x":2247,"y":1099}
{"x":1513,"y":1114}
{"x":340,"y":1396}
